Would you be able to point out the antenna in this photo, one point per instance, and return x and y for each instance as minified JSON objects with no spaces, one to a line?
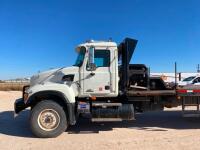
{"x":198,"y":68}
{"x":175,"y":69}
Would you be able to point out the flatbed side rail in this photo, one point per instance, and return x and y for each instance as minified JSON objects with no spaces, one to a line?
{"x":188,"y":92}
{"x":151,"y":93}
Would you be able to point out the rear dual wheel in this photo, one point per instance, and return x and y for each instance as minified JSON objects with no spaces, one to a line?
{"x":48,"y":119}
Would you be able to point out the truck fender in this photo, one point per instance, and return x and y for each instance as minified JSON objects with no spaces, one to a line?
{"x":68,"y":102}
{"x":62,"y":90}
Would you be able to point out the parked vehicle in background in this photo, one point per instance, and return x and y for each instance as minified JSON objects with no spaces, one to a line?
{"x":192,"y":80}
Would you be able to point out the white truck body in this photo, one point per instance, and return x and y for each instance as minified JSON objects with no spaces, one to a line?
{"x":102,"y":82}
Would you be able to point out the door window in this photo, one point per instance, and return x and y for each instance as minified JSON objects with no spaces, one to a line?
{"x":102,"y":58}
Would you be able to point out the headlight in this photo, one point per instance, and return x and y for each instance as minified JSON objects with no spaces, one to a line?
{"x":25,"y":94}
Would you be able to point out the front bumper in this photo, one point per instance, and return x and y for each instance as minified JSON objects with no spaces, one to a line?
{"x":19,"y":105}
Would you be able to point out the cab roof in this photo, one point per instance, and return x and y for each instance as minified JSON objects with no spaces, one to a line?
{"x":97,"y":44}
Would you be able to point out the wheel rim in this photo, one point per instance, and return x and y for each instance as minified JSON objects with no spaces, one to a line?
{"x":48,"y":119}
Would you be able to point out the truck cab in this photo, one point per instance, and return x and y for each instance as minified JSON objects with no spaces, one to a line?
{"x":98,"y":69}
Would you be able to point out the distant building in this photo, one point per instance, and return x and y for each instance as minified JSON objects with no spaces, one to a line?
{"x":18,"y":80}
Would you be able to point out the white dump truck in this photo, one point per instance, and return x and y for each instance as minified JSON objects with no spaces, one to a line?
{"x":102,"y":83}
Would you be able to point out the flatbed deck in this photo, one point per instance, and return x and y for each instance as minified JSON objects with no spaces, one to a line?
{"x":152,"y":93}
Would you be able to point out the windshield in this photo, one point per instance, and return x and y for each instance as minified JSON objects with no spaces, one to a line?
{"x":189,"y":78}
{"x":80,"y":58}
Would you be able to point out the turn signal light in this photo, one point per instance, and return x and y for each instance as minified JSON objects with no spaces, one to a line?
{"x":25,"y":97}
{"x":93,"y":98}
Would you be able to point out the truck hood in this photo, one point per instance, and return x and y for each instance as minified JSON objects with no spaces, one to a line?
{"x":54,"y":75}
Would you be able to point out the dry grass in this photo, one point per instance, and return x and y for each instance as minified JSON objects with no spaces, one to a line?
{"x":12,"y":86}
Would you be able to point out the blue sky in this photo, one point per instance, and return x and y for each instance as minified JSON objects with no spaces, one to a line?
{"x":41,"y":34}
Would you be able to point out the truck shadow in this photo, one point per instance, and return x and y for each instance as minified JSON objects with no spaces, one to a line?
{"x":152,"y":121}
{"x":15,"y":126}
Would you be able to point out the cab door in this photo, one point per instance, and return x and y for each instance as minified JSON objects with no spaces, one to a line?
{"x":98,"y":82}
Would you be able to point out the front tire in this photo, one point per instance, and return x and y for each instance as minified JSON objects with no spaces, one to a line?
{"x":48,"y":119}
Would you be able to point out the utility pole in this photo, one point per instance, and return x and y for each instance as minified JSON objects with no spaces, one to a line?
{"x":198,"y":68}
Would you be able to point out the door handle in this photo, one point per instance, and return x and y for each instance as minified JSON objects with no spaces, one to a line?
{"x":89,"y":90}
{"x":92,"y":73}
{"x":107,"y":87}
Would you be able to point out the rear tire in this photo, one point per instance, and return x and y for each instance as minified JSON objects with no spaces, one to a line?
{"x":48,"y":119}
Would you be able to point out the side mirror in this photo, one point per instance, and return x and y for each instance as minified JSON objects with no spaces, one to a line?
{"x":92,"y":67}
{"x":91,"y":64}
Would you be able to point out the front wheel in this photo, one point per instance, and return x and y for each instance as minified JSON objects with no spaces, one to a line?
{"x":48,"y":119}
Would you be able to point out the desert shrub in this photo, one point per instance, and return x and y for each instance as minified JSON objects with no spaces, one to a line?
{"x":12,"y":86}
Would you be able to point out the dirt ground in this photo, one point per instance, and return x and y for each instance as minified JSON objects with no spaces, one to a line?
{"x":151,"y":131}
